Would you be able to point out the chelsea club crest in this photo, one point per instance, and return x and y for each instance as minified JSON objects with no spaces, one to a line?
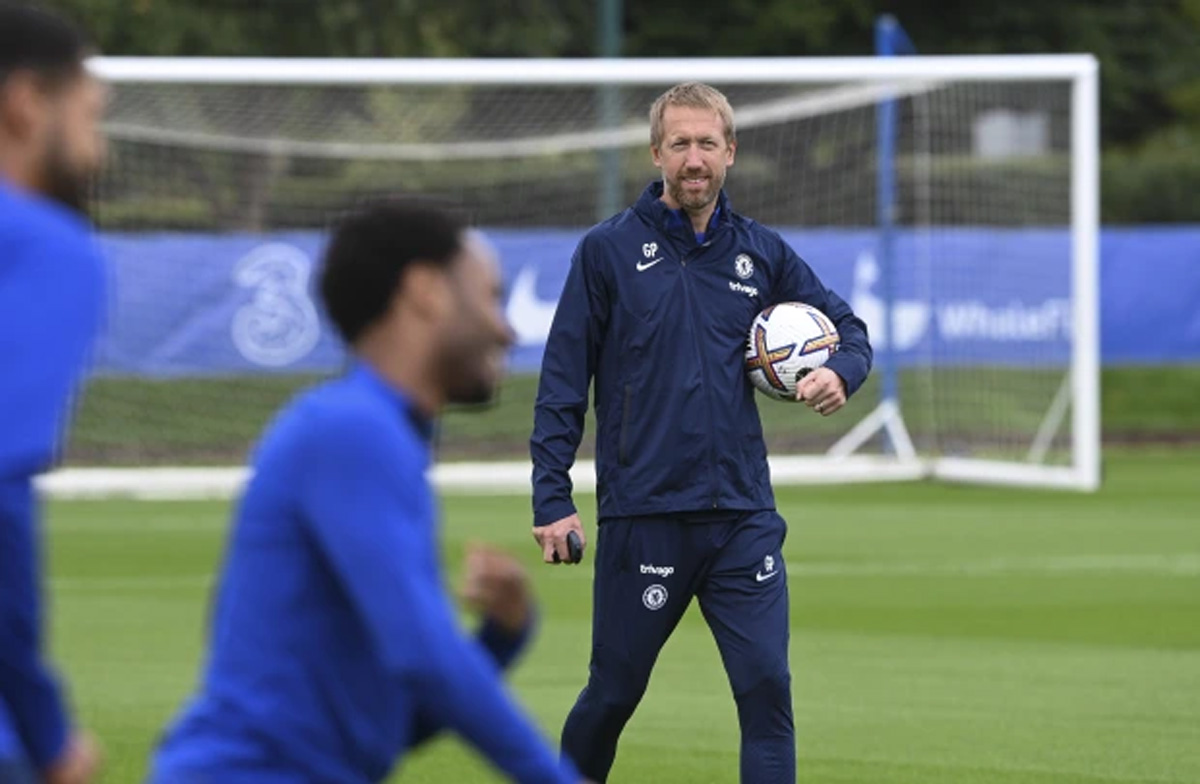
{"x":743,"y":265}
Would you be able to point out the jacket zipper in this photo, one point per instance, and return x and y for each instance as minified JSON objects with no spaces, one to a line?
{"x":622,"y":453}
{"x":712,"y":442}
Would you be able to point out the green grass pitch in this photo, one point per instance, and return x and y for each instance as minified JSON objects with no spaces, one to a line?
{"x":939,"y":634}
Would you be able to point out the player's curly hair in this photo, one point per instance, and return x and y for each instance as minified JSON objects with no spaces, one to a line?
{"x":38,"y":40}
{"x":694,"y":95}
{"x":371,"y":247}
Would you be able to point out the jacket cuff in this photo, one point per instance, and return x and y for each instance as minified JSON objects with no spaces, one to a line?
{"x":503,"y":645}
{"x":552,"y":512}
{"x":49,"y":741}
{"x":850,"y":369}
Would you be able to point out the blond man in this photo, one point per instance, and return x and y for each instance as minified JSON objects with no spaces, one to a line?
{"x":655,"y":313}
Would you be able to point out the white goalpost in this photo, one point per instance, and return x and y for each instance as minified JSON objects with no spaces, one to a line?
{"x":976,"y":271}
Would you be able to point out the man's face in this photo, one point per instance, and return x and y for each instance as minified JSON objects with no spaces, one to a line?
{"x":71,"y":143}
{"x":693,"y":156}
{"x":476,"y":336}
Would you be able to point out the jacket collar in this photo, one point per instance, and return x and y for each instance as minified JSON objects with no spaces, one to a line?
{"x":675,"y":222}
{"x":364,"y":374}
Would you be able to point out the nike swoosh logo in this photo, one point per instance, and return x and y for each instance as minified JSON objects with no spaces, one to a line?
{"x":763,"y":577}
{"x":643,"y":266}
{"x":528,"y":314}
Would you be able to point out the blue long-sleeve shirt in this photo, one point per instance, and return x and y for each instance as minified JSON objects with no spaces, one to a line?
{"x":51,"y":299}
{"x":334,"y":647}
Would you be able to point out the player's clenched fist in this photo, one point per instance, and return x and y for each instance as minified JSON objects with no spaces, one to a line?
{"x":496,"y":585}
{"x":552,"y":539}
{"x":78,"y":763}
{"x":822,"y":390}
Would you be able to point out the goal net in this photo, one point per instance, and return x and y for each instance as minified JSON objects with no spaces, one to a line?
{"x":951,"y":201}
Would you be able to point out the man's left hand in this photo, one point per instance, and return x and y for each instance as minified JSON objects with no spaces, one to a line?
{"x":822,"y":390}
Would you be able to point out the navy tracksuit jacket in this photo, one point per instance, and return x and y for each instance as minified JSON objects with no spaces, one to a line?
{"x":660,"y":321}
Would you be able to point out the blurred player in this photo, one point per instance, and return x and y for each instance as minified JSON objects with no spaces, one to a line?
{"x":51,"y":296}
{"x":334,"y":648}
{"x":656,"y":309}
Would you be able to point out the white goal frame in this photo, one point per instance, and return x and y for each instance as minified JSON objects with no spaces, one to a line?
{"x":840,"y":464}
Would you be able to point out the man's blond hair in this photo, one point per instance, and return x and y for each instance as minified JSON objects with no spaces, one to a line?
{"x":694,"y":95}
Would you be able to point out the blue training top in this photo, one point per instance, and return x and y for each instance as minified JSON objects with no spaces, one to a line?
{"x":334,"y":647}
{"x":51,"y":299}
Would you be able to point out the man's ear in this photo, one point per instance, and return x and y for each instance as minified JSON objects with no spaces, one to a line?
{"x":425,"y":288}
{"x":22,"y":105}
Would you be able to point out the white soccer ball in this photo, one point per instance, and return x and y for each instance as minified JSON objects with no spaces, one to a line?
{"x":788,"y":341}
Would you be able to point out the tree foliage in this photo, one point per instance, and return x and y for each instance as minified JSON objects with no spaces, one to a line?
{"x":1149,"y":50}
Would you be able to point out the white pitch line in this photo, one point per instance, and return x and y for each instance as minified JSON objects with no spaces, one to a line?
{"x":1178,"y":565}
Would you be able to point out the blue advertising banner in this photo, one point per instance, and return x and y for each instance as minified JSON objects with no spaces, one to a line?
{"x":196,"y":304}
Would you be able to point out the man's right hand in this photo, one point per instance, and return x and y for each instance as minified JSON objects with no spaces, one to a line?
{"x":78,"y":763}
{"x":553,"y":538}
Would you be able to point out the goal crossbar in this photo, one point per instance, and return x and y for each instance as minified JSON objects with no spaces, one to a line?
{"x":632,"y":71}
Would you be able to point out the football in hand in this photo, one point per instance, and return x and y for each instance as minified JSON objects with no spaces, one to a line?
{"x":787,"y":341}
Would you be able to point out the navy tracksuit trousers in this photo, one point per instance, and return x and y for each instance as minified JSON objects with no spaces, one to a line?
{"x":647,"y":571}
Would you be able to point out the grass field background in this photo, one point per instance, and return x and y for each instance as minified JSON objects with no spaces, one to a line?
{"x":941,"y":634}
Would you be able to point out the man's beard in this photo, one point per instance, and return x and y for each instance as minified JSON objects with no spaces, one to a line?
{"x":465,"y":365}
{"x":694,"y":202}
{"x":65,"y":183}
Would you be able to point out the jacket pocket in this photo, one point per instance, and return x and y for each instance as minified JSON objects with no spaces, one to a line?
{"x":623,"y":436}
